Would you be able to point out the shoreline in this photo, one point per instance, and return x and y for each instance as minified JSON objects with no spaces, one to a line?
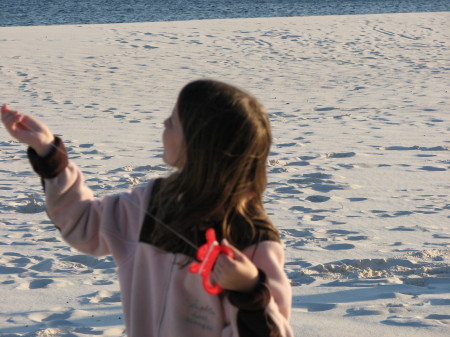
{"x":219,"y":20}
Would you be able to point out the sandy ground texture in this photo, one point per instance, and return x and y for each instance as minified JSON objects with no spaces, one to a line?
{"x":359,"y":169}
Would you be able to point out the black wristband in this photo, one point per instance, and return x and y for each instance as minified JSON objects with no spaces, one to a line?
{"x":52,"y":163}
{"x":256,"y":299}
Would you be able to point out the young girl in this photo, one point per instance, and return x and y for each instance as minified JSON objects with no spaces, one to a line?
{"x":218,"y":138}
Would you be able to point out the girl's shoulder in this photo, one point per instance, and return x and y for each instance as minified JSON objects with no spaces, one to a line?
{"x":266,"y":253}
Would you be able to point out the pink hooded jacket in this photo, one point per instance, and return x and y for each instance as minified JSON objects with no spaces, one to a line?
{"x":160,"y":298}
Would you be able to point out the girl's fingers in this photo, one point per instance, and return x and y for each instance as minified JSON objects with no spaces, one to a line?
{"x":5,"y":108}
{"x":238,"y":255}
{"x":29,"y":123}
{"x":10,"y":119}
{"x":7,"y":112}
{"x":14,"y":119}
{"x":27,"y":129}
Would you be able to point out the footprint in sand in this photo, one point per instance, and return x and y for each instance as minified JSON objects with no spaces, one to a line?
{"x":44,"y":266}
{"x":340,"y":232}
{"x":129,"y":176}
{"x":439,"y":317}
{"x":358,"y":238}
{"x":366,"y":311}
{"x":31,"y":204}
{"x":66,"y":322}
{"x":288,"y":190}
{"x":341,"y":155}
{"x":90,"y":261}
{"x":21,"y":261}
{"x":356,"y":199}
{"x":325,"y":109}
{"x":298,"y":163}
{"x":313,"y":307}
{"x":298,"y":278}
{"x":36,"y":284}
{"x":406,"y":322}
{"x":317,"y":198}
{"x":147,"y":46}
{"x":403,"y":229}
{"x":318,"y":182}
{"x":11,"y":270}
{"x":48,"y":316}
{"x":58,"y":322}
{"x":102,"y":296}
{"x":326,"y":187}
{"x":433,"y":168}
{"x":281,"y":145}
{"x":340,"y":246}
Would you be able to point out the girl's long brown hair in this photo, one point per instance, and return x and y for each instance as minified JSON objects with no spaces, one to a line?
{"x":227,"y":139}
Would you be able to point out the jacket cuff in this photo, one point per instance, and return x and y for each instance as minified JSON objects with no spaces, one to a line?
{"x":257,"y":299}
{"x":51,"y":164}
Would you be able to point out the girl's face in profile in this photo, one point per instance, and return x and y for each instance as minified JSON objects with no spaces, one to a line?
{"x":173,"y":141}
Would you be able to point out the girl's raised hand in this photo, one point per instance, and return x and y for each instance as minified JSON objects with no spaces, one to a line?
{"x":28,"y":130}
{"x":238,"y":273}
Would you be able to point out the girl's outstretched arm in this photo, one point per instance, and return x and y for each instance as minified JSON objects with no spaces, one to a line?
{"x":28,"y":130}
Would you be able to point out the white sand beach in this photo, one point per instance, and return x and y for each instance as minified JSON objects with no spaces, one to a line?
{"x":359,"y":172}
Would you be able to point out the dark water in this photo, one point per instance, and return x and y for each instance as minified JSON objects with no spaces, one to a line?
{"x":58,"y":12}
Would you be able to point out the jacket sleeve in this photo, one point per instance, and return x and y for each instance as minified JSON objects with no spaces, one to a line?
{"x":94,"y":227}
{"x":266,"y":310}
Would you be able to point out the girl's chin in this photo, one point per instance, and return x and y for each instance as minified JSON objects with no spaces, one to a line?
{"x":169,"y":163}
{"x":165,"y":159}
{"x":175,"y":163}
